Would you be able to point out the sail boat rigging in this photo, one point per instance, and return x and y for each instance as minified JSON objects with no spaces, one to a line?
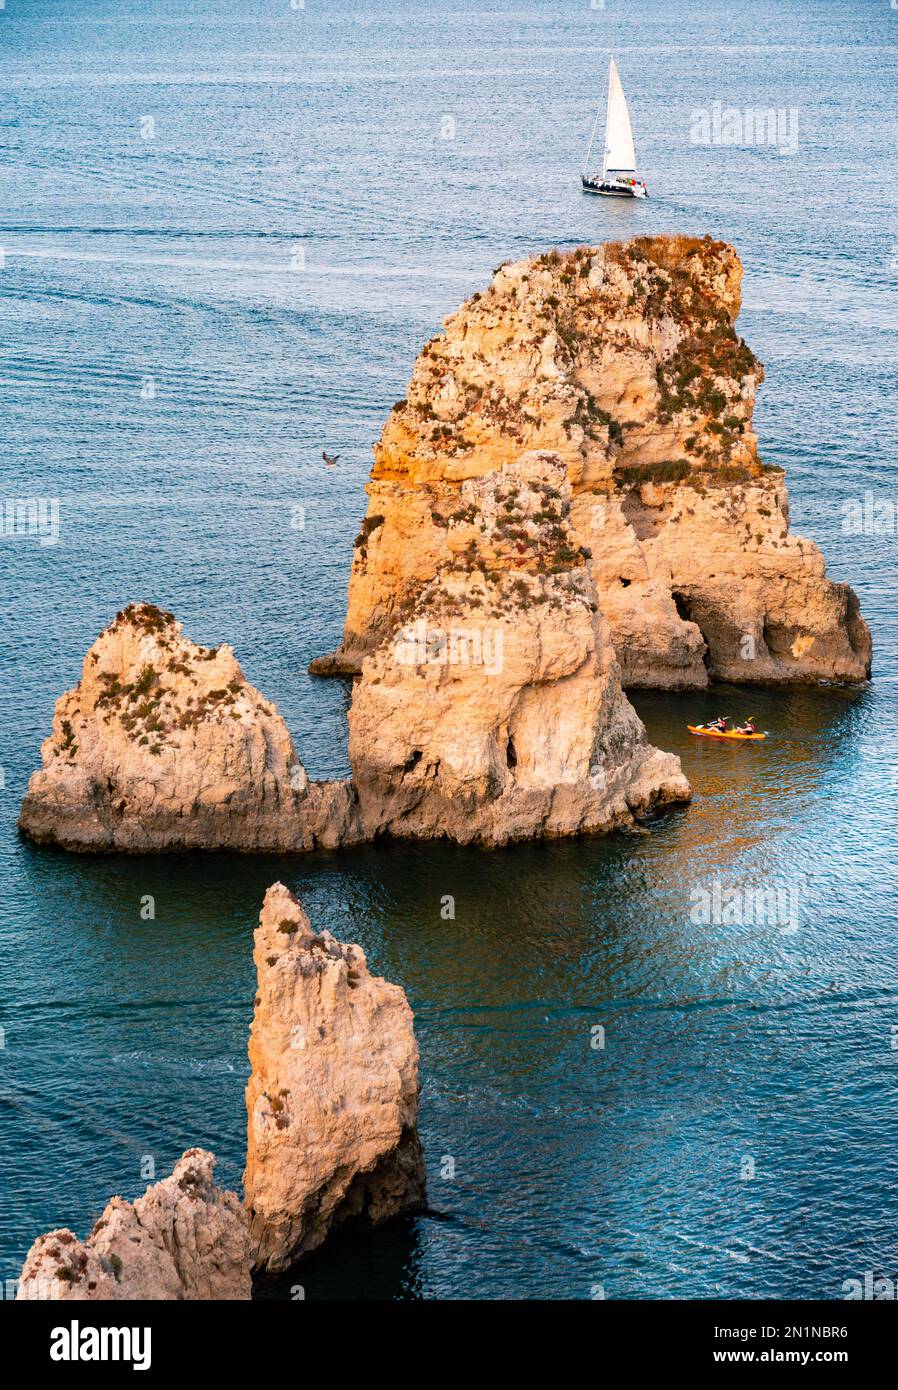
{"x":618,"y":178}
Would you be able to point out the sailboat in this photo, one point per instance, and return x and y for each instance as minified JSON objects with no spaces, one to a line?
{"x":618,"y":178}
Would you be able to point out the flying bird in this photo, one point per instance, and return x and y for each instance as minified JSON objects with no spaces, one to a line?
{"x":330,"y":461}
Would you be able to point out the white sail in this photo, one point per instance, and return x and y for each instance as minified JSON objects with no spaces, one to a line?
{"x":620,"y":155}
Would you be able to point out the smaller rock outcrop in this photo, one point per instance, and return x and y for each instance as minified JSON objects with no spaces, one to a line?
{"x":708,"y":583}
{"x":164,"y":745}
{"x":332,"y":1101}
{"x":495,"y":711}
{"x":184,"y":1239}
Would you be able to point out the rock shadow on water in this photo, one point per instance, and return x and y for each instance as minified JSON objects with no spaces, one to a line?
{"x":357,"y":1262}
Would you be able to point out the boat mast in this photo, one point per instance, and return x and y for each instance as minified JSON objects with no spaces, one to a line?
{"x":607,"y":119}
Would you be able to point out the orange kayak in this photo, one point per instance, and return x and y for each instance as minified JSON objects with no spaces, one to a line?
{"x":715,"y":733}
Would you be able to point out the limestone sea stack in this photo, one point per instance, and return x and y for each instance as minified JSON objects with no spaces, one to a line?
{"x":332,"y":1100}
{"x":495,"y":712}
{"x":624,"y":361}
{"x":164,"y":745}
{"x":184,"y":1239}
{"x":332,"y":1105}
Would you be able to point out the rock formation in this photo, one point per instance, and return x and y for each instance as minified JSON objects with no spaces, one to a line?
{"x":495,"y":711}
{"x":332,"y":1101}
{"x":623,"y":360}
{"x":163,"y":745}
{"x":332,"y":1106}
{"x":183,"y":1239}
{"x":573,"y":475}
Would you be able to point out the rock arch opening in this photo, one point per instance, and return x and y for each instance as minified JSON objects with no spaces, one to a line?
{"x":687,"y":610}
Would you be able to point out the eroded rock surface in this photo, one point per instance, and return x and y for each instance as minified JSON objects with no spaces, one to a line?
{"x":164,"y":745}
{"x":495,"y":711}
{"x":625,"y":362}
{"x":332,"y":1101}
{"x":184,"y":1239}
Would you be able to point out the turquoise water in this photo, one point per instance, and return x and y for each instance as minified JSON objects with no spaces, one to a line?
{"x":320,"y":131}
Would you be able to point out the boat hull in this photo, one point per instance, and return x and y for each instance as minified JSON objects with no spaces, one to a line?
{"x":610,"y":190}
{"x":731,"y":737}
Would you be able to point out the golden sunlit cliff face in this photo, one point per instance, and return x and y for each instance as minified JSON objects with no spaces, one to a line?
{"x":495,"y":713}
{"x":624,"y":362}
{"x":332,"y":1099}
{"x":164,"y":745}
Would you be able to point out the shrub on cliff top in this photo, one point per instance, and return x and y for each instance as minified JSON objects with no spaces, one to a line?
{"x":733,"y":473}
{"x":665,"y":471}
{"x":146,"y":616}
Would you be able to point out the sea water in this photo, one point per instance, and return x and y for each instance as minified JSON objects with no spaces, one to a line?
{"x":226,"y":231}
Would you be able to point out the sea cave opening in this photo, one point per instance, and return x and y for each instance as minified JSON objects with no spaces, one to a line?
{"x":686,"y":610}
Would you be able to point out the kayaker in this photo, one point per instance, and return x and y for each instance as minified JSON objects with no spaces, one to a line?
{"x":719,"y":724}
{"x":747,"y":728}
